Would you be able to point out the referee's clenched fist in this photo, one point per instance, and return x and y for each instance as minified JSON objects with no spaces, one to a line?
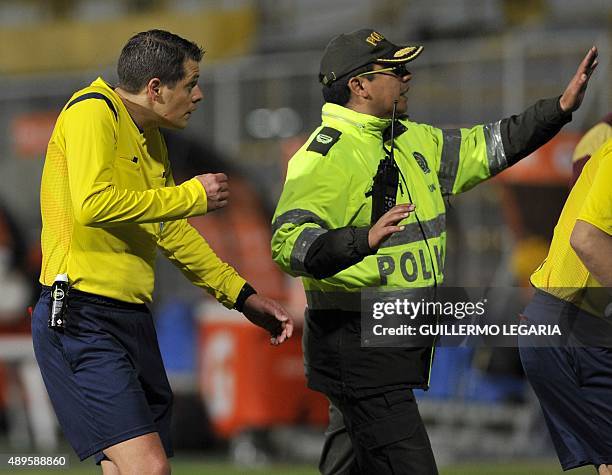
{"x":217,"y":189}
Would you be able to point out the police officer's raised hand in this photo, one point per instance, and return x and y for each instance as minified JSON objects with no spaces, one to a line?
{"x":387,"y":225}
{"x":574,"y":92}
{"x":217,"y":189}
{"x":269,"y":315}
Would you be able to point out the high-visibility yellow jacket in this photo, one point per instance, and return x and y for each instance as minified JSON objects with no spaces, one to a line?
{"x":327,"y":189}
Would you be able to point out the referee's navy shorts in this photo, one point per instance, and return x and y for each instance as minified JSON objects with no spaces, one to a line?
{"x":104,"y":373}
{"x":573,"y":384}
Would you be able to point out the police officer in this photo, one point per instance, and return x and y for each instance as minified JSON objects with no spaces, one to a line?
{"x":361,"y":211}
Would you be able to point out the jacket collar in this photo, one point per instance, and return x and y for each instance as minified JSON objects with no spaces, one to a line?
{"x":335,"y":114}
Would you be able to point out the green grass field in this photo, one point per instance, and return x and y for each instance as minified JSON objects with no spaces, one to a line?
{"x":202,"y":467}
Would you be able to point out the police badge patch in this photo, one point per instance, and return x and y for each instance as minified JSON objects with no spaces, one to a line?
{"x":422,"y":161}
{"x":324,"y":140}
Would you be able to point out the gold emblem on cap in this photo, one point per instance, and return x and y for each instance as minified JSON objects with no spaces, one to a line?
{"x":375,"y":38}
{"x":403,"y":55}
{"x":403,"y":51}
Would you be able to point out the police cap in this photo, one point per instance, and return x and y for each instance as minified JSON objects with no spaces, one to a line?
{"x":350,"y":51}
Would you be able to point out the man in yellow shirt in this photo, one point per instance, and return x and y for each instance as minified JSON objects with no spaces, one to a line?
{"x":108,"y":202}
{"x":572,"y":374}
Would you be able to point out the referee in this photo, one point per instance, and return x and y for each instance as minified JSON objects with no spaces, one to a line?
{"x":108,"y":202}
{"x":572,"y":374}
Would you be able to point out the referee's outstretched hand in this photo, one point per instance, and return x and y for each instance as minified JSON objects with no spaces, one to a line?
{"x":388,"y":225}
{"x":217,"y":189}
{"x":269,"y":315}
{"x":574,"y":92}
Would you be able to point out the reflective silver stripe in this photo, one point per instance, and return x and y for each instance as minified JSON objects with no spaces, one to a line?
{"x":412,"y":232}
{"x":297,"y":217}
{"x":495,"y":148}
{"x":451,"y":149}
{"x":300,"y":248}
{"x":356,"y":301}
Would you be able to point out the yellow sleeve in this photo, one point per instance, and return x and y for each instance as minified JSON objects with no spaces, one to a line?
{"x":189,"y":251}
{"x":314,"y":200}
{"x":597,"y":206}
{"x":91,"y":137}
{"x":466,"y":157}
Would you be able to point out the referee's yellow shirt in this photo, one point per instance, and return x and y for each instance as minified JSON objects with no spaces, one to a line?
{"x":562,"y":273}
{"x":108,"y":201}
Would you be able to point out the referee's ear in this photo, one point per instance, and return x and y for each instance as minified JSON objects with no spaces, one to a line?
{"x":153,"y":90}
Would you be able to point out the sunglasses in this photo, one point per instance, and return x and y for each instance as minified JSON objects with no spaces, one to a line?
{"x":398,"y":70}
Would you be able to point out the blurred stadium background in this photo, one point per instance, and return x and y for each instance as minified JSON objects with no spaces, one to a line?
{"x":241,"y":406}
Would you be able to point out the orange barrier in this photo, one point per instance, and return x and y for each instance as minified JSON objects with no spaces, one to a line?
{"x":246,"y":382}
{"x":240,"y":235}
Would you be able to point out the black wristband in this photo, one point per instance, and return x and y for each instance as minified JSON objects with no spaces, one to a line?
{"x":244,"y":294}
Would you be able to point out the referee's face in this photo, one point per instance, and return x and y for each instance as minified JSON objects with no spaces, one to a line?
{"x":178,"y":102}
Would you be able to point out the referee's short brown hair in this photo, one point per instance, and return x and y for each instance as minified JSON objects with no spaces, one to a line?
{"x":155,"y":54}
